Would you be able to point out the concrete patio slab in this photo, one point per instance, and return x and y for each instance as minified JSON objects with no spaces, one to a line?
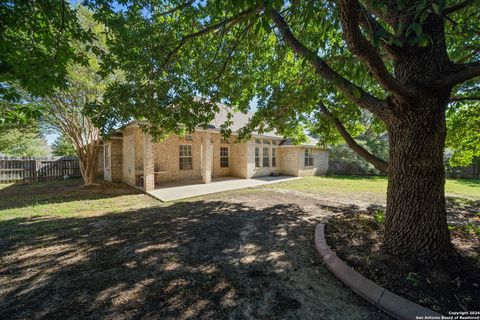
{"x":188,"y":189}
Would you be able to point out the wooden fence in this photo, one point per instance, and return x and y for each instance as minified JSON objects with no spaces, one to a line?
{"x":30,"y":169}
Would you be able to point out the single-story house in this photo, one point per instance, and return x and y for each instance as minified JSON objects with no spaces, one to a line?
{"x":130,"y":156}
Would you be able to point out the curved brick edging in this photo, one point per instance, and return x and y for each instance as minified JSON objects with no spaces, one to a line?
{"x":394,"y":305}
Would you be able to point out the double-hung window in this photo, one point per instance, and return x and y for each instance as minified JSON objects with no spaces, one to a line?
{"x":266,"y":155}
{"x":257,"y":157}
{"x":274,"y":157}
{"x":185,"y":158}
{"x":308,"y":157}
{"x":224,"y":159}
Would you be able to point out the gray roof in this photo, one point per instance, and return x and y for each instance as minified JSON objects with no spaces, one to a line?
{"x":241,"y":119}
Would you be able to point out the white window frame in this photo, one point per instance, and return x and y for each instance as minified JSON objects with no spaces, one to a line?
{"x":224,"y":157}
{"x":266,"y":157}
{"x":185,"y":154}
{"x":308,"y":159}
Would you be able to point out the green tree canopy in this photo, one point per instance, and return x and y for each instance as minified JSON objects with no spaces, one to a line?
{"x":37,"y":43}
{"x":318,"y":64}
{"x":23,"y":141}
{"x":63,"y":146}
{"x":463,"y":121}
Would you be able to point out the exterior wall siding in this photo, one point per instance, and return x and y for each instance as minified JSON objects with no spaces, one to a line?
{"x":289,"y":160}
{"x":129,"y":155}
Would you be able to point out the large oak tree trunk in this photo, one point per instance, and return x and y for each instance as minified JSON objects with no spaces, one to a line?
{"x":416,"y":226}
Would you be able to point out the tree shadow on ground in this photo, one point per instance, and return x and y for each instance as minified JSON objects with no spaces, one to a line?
{"x":27,"y":194}
{"x":207,"y":260}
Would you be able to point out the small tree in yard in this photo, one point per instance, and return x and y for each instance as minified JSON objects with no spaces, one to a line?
{"x":314,"y":63}
{"x":64,"y":110}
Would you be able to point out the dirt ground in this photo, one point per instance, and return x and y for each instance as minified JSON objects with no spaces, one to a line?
{"x":243,"y":255}
{"x":356,"y":238}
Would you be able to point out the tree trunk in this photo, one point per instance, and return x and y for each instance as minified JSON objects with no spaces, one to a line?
{"x":88,"y":163}
{"x":416,"y":228}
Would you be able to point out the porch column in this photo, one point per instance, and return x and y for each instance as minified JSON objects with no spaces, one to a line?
{"x":148,"y":163}
{"x":207,"y":158}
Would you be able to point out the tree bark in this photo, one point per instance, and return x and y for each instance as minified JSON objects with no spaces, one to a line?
{"x":416,"y":229}
{"x":88,"y":163}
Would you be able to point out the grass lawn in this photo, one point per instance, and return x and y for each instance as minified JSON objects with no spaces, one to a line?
{"x":368,"y":187}
{"x":66,"y":199}
{"x":110,"y":252}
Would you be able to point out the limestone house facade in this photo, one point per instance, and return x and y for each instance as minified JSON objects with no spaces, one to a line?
{"x":130,"y":156}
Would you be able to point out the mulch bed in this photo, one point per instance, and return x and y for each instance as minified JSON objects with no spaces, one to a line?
{"x":356,"y":239}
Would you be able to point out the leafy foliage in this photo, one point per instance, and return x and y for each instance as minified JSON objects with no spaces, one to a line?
{"x":37,"y":43}
{"x":23,"y":141}
{"x":463,"y":122}
{"x":63,"y":146}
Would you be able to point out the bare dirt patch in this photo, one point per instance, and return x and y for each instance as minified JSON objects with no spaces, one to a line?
{"x":356,"y":239}
{"x":244,"y":255}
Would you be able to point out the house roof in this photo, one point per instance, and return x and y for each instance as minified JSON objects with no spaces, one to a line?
{"x":239,"y":120}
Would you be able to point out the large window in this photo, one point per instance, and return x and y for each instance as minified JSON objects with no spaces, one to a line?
{"x":224,"y":160}
{"x":266,"y":155}
{"x":185,"y":157}
{"x":257,"y":157}
{"x":308,"y":158}
{"x":274,"y":157}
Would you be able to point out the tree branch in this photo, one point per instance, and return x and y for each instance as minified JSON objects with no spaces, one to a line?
{"x":456,"y":99}
{"x":176,"y":8}
{"x":362,"y":48}
{"x":459,"y":73}
{"x":230,"y":21}
{"x":351,"y":91}
{"x":378,"y":163}
{"x":456,"y":7}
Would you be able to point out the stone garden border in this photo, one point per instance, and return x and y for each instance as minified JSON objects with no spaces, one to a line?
{"x":392,"y":304}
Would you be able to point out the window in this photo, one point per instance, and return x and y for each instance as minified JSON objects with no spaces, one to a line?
{"x":258,"y":141}
{"x":308,"y":158}
{"x":188,"y":137}
{"x":266,"y":141}
{"x":274,"y":157}
{"x":224,"y":157}
{"x":186,"y":157}
{"x":106,"y":150}
{"x":257,"y":157}
{"x":266,"y":159}
{"x":225,"y":140}
{"x":274,"y":142}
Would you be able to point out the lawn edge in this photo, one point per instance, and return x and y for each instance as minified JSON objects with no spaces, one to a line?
{"x":394,"y":305}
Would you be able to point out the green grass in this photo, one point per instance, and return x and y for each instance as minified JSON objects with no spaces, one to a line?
{"x":68,"y":199}
{"x":362,"y":187}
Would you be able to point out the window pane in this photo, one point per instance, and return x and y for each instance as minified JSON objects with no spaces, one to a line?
{"x":185,"y":159}
{"x":224,"y":159}
{"x":257,"y":157}
{"x":266,"y":159}
{"x":274,"y":157}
